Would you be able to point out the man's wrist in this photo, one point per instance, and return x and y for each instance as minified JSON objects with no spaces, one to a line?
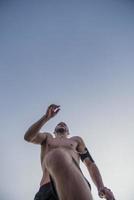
{"x":100,"y":187}
{"x":45,"y":118}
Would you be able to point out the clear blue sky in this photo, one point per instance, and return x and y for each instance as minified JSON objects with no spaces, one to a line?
{"x":79,"y":54}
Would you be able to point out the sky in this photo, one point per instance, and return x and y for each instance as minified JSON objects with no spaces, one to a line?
{"x":77,"y":54}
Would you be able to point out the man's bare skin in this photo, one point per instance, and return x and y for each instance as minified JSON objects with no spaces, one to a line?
{"x":60,"y":158}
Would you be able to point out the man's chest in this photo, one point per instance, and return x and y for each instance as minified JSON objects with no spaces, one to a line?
{"x":63,"y":142}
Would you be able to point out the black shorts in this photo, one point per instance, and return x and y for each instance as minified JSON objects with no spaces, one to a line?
{"x":46,"y":192}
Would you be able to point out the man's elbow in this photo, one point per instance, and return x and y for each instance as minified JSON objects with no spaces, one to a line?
{"x":26,"y":137}
{"x":89,"y":163}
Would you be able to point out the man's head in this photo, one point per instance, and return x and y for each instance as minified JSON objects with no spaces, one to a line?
{"x":61,"y":129}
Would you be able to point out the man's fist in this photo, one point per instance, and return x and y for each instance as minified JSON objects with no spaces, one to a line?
{"x":52,"y":111}
{"x":106,"y":193}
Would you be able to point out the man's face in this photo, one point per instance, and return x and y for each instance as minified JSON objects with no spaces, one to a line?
{"x":61,"y":129}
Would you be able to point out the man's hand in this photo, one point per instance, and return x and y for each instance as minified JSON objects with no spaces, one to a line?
{"x":52,"y":111}
{"x":106,"y":193}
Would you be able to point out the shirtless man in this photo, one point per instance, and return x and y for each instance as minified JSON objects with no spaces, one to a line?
{"x":60,"y":156}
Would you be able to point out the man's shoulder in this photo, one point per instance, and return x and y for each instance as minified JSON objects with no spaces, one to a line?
{"x":48,"y":135}
{"x":77,"y":139}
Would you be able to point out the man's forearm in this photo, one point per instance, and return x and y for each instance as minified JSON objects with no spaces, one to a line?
{"x":96,"y":176}
{"x":35,"y":128}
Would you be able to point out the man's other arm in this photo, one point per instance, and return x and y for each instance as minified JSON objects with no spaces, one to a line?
{"x":94,"y":172}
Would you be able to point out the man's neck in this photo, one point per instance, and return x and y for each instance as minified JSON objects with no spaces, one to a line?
{"x":60,"y":136}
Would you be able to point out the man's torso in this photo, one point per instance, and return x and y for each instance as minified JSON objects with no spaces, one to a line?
{"x":66,"y":144}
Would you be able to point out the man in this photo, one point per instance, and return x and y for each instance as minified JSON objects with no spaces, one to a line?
{"x":60,"y":156}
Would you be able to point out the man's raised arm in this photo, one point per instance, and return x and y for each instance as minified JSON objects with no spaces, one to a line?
{"x":33,"y":134}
